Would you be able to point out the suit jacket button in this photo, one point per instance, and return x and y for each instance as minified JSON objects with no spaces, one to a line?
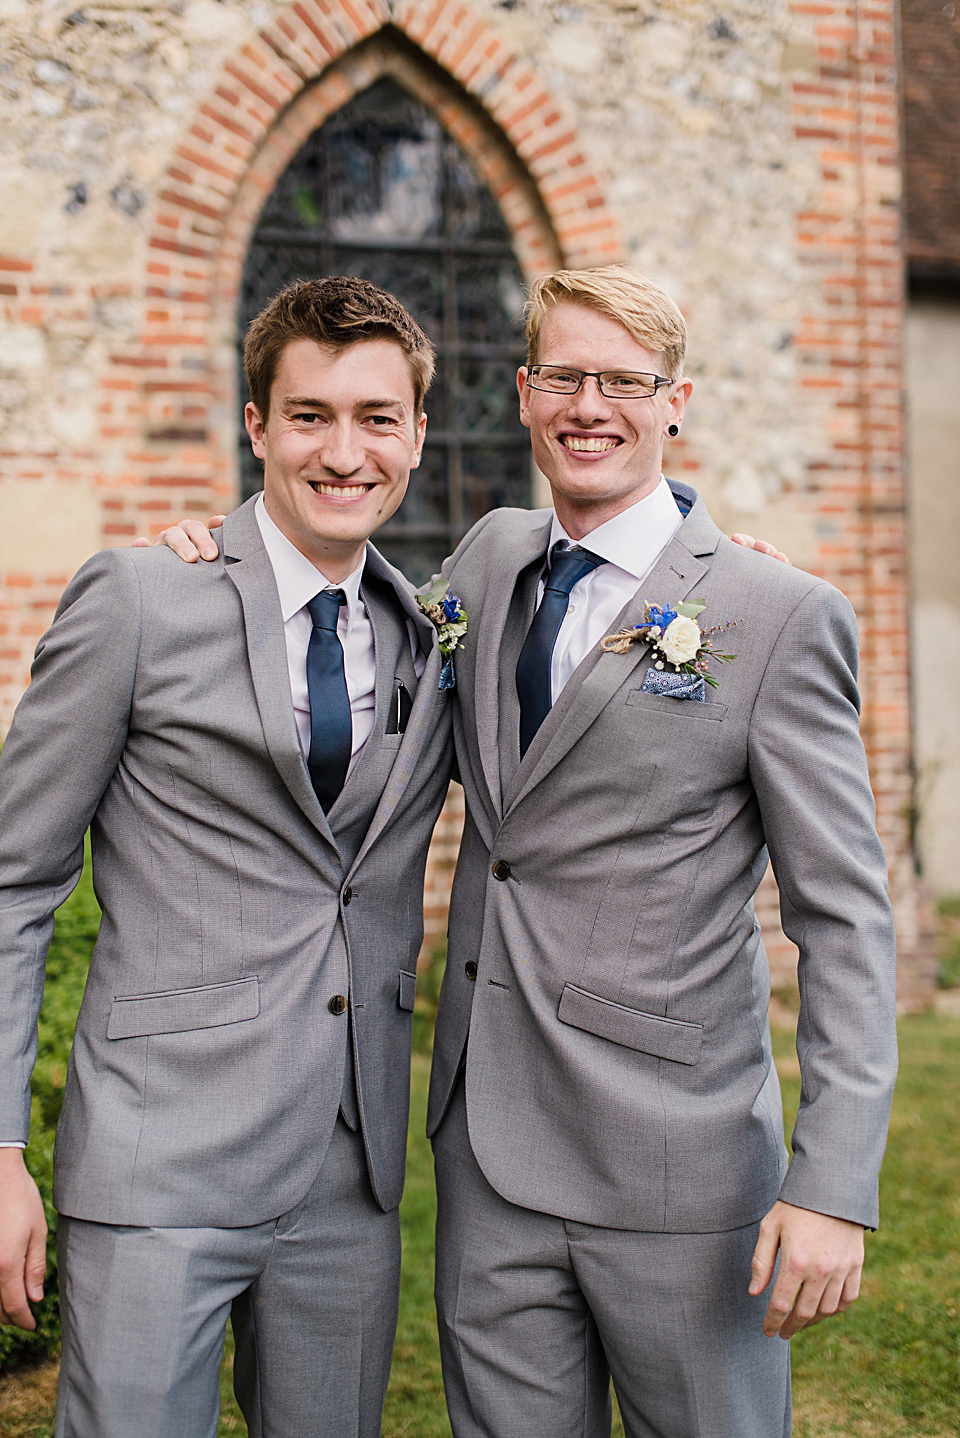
{"x":501,"y":870}
{"x":347,"y":895}
{"x":470,"y":969}
{"x":338,"y":1004}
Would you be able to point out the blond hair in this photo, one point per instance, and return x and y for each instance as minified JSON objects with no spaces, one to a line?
{"x":336,"y":311}
{"x":646,"y":311}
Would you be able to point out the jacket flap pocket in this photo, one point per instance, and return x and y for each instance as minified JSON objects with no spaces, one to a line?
{"x":648,"y":1033}
{"x":663,"y":705}
{"x":178,"y":1011}
{"x":408,"y":989}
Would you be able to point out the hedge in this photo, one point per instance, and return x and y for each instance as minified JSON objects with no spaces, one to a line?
{"x":70,"y":950}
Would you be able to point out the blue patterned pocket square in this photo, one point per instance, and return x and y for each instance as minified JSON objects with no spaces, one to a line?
{"x":674,"y":686}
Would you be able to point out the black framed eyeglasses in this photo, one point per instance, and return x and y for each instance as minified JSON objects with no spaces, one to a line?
{"x":613,"y":383}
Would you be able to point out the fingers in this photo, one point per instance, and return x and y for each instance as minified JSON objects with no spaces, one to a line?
{"x":35,"y":1267}
{"x":204,"y":543}
{"x":764,"y":1256}
{"x":762,"y":546}
{"x":23,"y":1240}
{"x":21,"y":1277}
{"x":199,"y":534}
{"x":821,"y":1260}
{"x":851,"y":1290}
{"x":177,"y":539}
{"x":190,"y":540}
{"x":785,"y":1318}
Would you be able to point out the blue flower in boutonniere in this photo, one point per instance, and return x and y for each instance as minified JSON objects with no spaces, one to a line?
{"x":448,"y":616}
{"x":678,"y":641}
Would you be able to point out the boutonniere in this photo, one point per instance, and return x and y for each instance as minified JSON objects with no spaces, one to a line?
{"x":448,"y":616}
{"x":677,"y":640}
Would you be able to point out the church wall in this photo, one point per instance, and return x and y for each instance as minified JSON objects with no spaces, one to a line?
{"x":933,"y":381}
{"x":746,"y":155}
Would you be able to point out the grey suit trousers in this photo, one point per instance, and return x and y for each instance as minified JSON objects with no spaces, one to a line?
{"x":536,"y":1313}
{"x":313,"y":1296}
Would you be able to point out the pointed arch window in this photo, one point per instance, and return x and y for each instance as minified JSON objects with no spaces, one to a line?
{"x":382,"y":191}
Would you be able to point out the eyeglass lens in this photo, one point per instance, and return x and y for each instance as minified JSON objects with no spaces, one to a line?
{"x":614,"y":384}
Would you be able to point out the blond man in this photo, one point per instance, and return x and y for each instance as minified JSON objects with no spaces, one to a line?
{"x":612,"y":1178}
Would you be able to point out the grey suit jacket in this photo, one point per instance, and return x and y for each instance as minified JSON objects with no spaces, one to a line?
{"x":618,"y":1066}
{"x":207,"y":1067}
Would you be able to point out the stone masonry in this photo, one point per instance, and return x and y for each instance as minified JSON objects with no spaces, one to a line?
{"x":745,"y":153}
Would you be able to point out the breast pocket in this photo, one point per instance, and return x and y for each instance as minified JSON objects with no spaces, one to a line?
{"x":668,"y":708}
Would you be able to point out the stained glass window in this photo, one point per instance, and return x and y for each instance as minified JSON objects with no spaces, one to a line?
{"x":382,"y":191}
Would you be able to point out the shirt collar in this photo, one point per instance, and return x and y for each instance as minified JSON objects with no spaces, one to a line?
{"x":633,"y":538}
{"x":297,"y":579}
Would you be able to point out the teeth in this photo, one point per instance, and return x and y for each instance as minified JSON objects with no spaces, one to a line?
{"x":342,"y":491}
{"x":591,"y":446}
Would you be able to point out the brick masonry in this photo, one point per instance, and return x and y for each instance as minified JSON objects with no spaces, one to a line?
{"x":749,"y":159}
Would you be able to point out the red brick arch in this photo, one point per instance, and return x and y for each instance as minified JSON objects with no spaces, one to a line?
{"x":174,"y":392}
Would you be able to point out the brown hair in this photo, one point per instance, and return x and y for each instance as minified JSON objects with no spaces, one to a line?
{"x":645,"y":310}
{"x":336,"y":311}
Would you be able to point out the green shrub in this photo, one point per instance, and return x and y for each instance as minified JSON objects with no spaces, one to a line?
{"x":73,"y":940}
{"x":948,"y":975}
{"x":429,"y":978}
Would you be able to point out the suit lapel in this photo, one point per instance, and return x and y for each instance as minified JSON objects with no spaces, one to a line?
{"x":526,"y":546}
{"x":424,"y":713}
{"x":248,"y":567}
{"x":674,"y":577}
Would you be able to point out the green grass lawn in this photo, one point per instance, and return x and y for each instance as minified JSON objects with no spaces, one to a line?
{"x":890,"y":1368}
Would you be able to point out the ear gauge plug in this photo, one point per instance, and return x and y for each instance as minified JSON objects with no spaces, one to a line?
{"x":673,"y":430}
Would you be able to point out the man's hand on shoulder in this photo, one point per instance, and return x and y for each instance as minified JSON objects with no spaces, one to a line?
{"x":762,"y":546}
{"x":190,"y":539}
{"x":23,"y":1241}
{"x":821,"y":1260}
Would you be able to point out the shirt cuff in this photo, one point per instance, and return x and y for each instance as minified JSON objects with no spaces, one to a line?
{"x":11,"y":1143}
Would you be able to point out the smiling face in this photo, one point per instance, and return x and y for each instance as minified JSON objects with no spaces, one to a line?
{"x":339,"y":444}
{"x":600,"y":455}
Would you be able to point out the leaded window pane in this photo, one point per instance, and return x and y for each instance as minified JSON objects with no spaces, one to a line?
{"x":382,"y":191}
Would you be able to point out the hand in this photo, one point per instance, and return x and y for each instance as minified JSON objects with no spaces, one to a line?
{"x":190,"y":539}
{"x":821,"y":1259}
{"x":23,"y":1241}
{"x":761,"y":546}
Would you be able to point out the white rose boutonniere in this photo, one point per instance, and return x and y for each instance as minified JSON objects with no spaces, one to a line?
{"x":681,"y":640}
{"x":677,"y":640}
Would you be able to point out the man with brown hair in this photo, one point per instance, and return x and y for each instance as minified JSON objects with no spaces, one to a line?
{"x":260,"y":747}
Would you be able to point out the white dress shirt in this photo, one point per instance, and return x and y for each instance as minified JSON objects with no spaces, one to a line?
{"x":631,"y":543}
{"x":298,"y":581}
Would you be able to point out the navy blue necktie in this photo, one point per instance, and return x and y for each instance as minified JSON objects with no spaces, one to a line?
{"x":533,"y":667}
{"x":331,"y":727}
